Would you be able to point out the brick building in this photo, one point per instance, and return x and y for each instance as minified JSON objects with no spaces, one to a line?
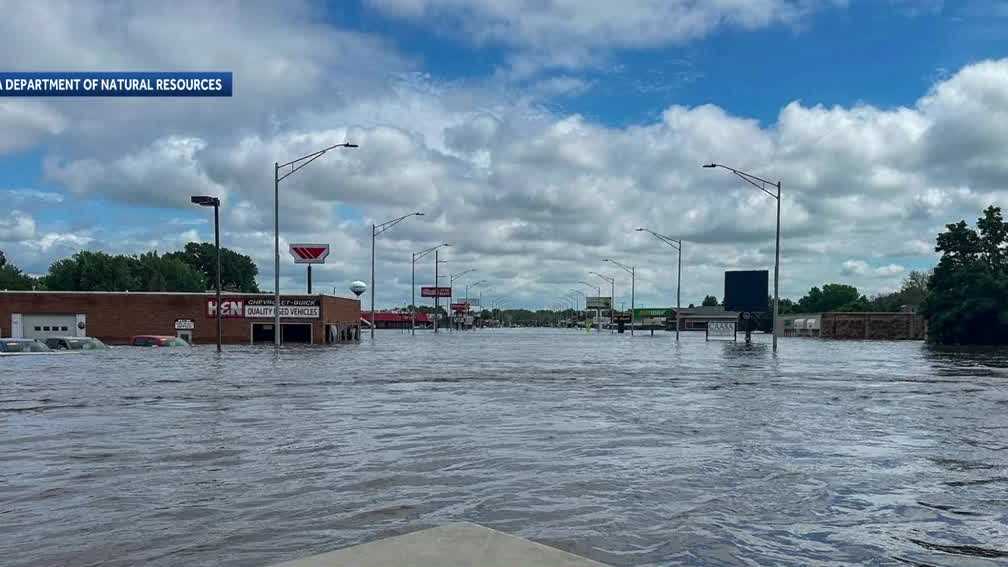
{"x":114,"y":317}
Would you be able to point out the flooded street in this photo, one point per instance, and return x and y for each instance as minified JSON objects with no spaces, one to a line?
{"x":630,"y":451}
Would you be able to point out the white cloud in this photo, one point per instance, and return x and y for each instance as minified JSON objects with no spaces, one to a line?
{"x":16,"y":226}
{"x":531,"y":197}
{"x":571,"y":33}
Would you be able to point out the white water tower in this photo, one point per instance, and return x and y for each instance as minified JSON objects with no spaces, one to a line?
{"x":358,"y":287}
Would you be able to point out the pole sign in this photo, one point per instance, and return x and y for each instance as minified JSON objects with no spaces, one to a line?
{"x":431,"y":291}
{"x":598,"y":303}
{"x":471,"y":301}
{"x":309,"y":253}
{"x":460,"y":307}
{"x":184,"y":324}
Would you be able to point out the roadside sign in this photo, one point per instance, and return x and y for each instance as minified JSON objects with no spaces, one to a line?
{"x":621,"y":318}
{"x":431,"y":291}
{"x":598,"y":303}
{"x":309,"y":253}
{"x":460,"y":307}
{"x":185,"y":325}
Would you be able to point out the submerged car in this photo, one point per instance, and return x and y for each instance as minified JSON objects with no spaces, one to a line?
{"x":22,"y":346}
{"x":75,"y":343}
{"x":158,"y":340}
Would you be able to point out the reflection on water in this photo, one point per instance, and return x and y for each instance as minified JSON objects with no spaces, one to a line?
{"x":632,"y":451}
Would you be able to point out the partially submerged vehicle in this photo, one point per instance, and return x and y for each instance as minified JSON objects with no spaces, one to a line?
{"x":23,"y":346}
{"x":75,"y":343}
{"x":158,"y":340}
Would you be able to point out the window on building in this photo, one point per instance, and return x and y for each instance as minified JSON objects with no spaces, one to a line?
{"x":38,"y":328}
{"x":45,"y":328}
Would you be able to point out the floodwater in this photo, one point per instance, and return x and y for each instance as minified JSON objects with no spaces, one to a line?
{"x":631,"y":451}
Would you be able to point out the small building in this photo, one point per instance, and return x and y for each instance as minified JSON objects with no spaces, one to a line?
{"x":115,"y":317}
{"x":697,"y":318}
{"x":862,"y":325}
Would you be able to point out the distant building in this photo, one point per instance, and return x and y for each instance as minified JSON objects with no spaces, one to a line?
{"x":398,"y":319}
{"x":866,"y":325}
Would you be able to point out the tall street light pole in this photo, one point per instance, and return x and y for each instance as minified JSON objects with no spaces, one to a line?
{"x":762,"y":184}
{"x":295,"y":166}
{"x":208,"y":201}
{"x":417,"y":256}
{"x":451,"y":284}
{"x":598,"y":310}
{"x":377,"y":229}
{"x":678,"y":245}
{"x":437,"y":285}
{"x":612,"y":297}
{"x":475,"y":285}
{"x":632,"y":270}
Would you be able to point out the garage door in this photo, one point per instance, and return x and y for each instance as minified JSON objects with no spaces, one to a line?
{"x":45,"y":326}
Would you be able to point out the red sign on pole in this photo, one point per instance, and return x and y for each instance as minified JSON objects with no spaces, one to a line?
{"x":309,"y":253}
{"x":431,"y":291}
{"x":460,"y":307}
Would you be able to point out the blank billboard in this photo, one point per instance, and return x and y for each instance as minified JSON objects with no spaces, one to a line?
{"x":747,"y":291}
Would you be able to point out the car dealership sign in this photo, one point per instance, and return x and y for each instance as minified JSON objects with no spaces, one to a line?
{"x":431,"y":291}
{"x":264,"y":308}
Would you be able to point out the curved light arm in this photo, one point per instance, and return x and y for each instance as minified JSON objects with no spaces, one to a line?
{"x":626,"y":268}
{"x":597,"y":289}
{"x":454,"y":277}
{"x":306,"y":159}
{"x":422,"y":253}
{"x":605,"y":277}
{"x":380,"y":228}
{"x":757,"y":182}
{"x":581,"y":293}
{"x":674,"y":243}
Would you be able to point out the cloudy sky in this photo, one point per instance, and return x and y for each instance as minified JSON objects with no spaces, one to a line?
{"x":535,"y":135}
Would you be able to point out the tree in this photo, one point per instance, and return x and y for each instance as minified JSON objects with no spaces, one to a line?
{"x":238,"y":271}
{"x":98,"y":271}
{"x":966,"y":299}
{"x":12,"y":278}
{"x":709,"y":301}
{"x":832,"y":297}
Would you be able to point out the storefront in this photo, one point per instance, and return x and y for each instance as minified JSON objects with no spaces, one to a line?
{"x":115,"y":317}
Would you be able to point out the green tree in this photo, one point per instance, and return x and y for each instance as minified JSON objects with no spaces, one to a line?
{"x":832,"y":297}
{"x":92,"y":271}
{"x":238,"y":271}
{"x":709,"y":301}
{"x":966,"y":299}
{"x":12,"y":278}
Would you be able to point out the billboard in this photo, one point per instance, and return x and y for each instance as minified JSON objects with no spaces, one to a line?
{"x":747,"y":291}
{"x":431,"y":291}
{"x":309,"y":253}
{"x":598,"y":302}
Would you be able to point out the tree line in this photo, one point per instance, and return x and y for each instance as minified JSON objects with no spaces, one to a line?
{"x":193,"y":269}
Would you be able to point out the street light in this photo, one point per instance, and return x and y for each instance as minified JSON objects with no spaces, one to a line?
{"x":475,"y":285}
{"x":598,"y":310}
{"x":208,"y":201}
{"x":437,"y":285}
{"x":451,"y":285}
{"x":377,"y":229}
{"x":632,"y":270}
{"x":612,"y":298}
{"x":295,"y":166}
{"x":417,"y":256}
{"x":678,"y":245}
{"x":762,"y":184}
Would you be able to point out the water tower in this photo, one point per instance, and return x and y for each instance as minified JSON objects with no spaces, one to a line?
{"x":358,"y":287}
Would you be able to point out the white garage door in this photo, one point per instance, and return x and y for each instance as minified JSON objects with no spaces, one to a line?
{"x":45,"y":326}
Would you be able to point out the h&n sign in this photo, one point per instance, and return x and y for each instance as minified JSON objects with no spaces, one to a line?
{"x":230,"y":308}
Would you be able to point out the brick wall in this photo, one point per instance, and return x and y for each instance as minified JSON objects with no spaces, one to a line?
{"x":115,"y":317}
{"x":872,"y":326}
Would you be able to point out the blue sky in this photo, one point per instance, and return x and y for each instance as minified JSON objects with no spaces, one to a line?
{"x":535,"y":135}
